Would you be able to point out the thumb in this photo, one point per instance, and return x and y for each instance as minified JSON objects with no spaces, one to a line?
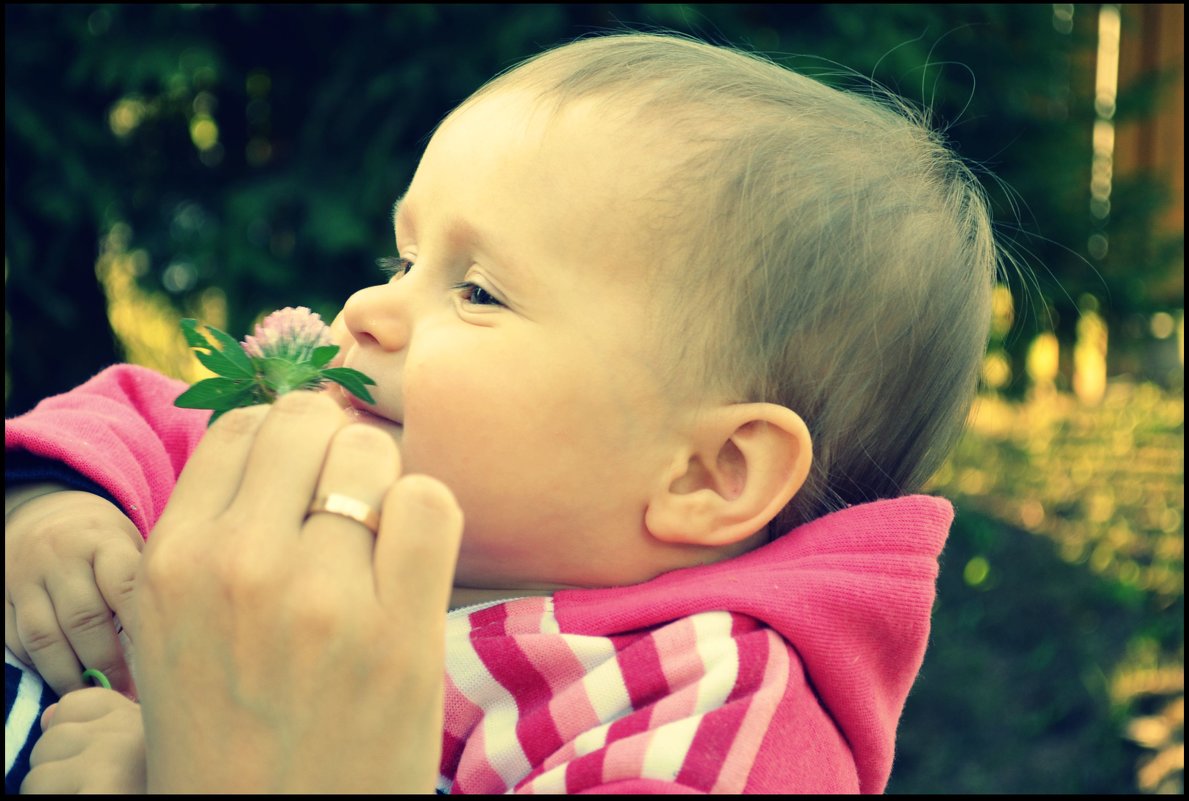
{"x":417,"y":547}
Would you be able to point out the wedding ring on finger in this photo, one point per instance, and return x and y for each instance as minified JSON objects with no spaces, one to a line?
{"x":345,"y":506}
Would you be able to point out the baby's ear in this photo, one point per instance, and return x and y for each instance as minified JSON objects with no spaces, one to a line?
{"x":742,"y":464}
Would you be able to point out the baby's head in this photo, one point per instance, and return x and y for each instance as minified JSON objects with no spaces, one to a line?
{"x":830,"y":253}
{"x":688,"y":264}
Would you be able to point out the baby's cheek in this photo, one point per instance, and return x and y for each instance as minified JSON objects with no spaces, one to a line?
{"x":456,"y":430}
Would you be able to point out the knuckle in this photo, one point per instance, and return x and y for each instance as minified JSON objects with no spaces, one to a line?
{"x":61,"y":539}
{"x":39,"y":637}
{"x":240,"y":577}
{"x":36,"y":627}
{"x":163,"y":567}
{"x":315,"y":610}
{"x":120,"y":585}
{"x":245,"y":576}
{"x":85,"y":619}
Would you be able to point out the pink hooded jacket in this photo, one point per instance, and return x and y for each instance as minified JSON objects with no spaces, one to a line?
{"x":782,"y":670}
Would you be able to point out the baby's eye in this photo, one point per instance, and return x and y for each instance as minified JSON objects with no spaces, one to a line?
{"x":476,"y":295}
{"x":394,"y":266}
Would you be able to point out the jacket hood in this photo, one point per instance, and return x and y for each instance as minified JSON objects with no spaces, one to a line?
{"x":851,"y":592}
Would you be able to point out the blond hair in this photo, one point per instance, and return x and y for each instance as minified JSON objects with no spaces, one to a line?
{"x":836,"y":257}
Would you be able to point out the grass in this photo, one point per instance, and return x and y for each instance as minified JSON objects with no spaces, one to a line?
{"x":1056,"y":662}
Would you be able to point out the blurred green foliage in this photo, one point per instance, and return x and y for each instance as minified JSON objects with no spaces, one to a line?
{"x":1056,"y":661}
{"x":258,"y":148}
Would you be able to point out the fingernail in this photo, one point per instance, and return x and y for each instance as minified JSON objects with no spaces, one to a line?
{"x":47,"y":714}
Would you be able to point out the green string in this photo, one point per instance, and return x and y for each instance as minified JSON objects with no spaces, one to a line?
{"x":92,"y":673}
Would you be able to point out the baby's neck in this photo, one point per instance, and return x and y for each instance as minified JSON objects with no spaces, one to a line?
{"x":469,"y":596}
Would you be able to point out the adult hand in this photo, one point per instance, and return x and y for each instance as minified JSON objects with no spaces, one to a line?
{"x":281,"y":653}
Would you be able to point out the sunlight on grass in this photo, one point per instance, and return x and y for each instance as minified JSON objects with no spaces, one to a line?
{"x":1105,"y":482}
{"x":1103,"y":478}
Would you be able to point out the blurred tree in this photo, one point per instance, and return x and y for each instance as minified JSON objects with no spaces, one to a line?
{"x":258,"y":148}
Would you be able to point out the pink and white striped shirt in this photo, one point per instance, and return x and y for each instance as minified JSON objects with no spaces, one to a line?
{"x":782,"y":670}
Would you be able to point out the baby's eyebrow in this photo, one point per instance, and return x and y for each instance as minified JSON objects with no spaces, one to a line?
{"x":460,"y":231}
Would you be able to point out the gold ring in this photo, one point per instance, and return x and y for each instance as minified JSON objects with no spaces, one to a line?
{"x":348,"y":507}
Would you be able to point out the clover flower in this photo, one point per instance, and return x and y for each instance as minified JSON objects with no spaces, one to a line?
{"x":288,"y":350}
{"x":288,"y":333}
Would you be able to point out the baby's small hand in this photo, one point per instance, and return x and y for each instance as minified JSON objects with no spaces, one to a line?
{"x":70,"y":561}
{"x":93,"y":742}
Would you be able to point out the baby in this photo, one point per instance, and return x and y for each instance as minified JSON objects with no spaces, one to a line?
{"x":682,"y":331}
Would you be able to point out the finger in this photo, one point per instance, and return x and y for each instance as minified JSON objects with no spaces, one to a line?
{"x":87,"y":622}
{"x":45,"y":644}
{"x":417,"y":548}
{"x":115,"y":566}
{"x":50,"y":777}
{"x":87,"y":704}
{"x":123,"y":633}
{"x":285,"y":460}
{"x":211,"y":477}
{"x":361,"y":463}
{"x":12,"y":638}
{"x":55,"y":746}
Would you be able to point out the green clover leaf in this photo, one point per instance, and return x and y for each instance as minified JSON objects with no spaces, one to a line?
{"x":285,"y":354}
{"x":351,"y":380}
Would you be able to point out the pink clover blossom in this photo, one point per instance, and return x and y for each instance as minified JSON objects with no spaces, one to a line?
{"x":289,"y":333}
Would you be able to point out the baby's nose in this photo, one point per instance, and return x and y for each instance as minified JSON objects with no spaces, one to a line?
{"x":376,"y":317}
